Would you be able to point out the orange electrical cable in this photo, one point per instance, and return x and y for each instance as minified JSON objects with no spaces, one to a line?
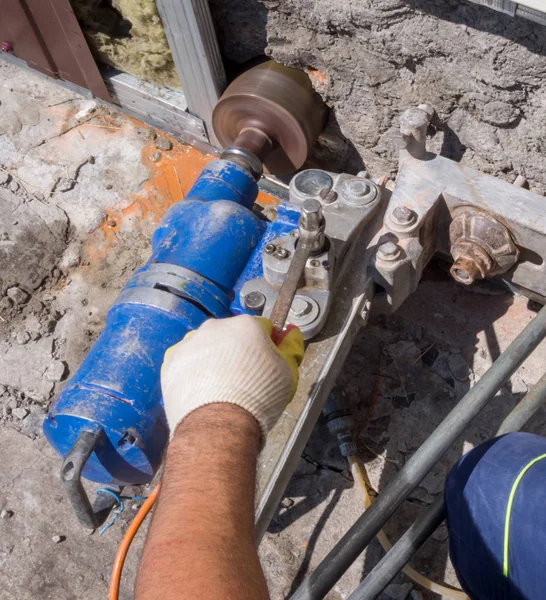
{"x":126,"y":543}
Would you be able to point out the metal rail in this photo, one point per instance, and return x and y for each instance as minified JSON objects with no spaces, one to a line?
{"x":400,"y":554}
{"x":533,"y":10}
{"x":196,"y":55}
{"x":345,"y":552}
{"x":323,"y":360}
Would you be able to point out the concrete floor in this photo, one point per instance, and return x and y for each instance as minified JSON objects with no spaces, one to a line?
{"x":81,"y":190}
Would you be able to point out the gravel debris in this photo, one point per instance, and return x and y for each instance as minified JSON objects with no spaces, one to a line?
{"x":5,"y":303}
{"x":17,"y":295}
{"x":163,"y":144}
{"x":440,"y":534}
{"x":20,"y":412}
{"x":55,"y":371}
{"x":398,"y":591}
{"x":459,"y":367}
{"x":22,"y":337}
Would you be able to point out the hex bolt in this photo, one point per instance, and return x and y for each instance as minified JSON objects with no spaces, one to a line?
{"x":311,"y":215}
{"x":270,"y":248}
{"x":282,"y":253}
{"x":403,"y":216}
{"x":315,"y":263}
{"x":358,"y":189}
{"x":388,"y":251}
{"x":294,"y":233}
{"x":255,"y":302}
{"x":300,"y":307}
{"x":6,"y":47}
{"x":480,"y":246}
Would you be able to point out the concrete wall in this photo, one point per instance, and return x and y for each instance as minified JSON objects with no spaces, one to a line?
{"x":482,"y":70}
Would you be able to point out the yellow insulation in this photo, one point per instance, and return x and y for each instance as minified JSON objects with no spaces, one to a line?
{"x":128,"y":35}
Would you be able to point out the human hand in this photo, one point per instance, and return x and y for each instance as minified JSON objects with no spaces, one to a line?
{"x":232,"y":360}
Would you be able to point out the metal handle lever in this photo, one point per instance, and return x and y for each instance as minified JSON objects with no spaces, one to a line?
{"x":311,"y":238}
{"x":90,"y":516}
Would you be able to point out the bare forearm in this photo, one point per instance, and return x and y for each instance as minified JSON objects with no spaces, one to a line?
{"x":201,"y":541}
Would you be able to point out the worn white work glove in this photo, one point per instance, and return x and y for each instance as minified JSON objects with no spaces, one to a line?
{"x":232,"y":360}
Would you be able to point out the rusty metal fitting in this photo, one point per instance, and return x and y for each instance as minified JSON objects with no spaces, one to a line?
{"x":481,"y":246}
{"x":471,"y":263}
{"x":328,"y":197}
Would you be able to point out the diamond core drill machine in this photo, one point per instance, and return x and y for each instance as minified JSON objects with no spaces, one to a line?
{"x":108,"y":423}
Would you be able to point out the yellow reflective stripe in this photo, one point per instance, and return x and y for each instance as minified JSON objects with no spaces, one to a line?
{"x":509,"y":510}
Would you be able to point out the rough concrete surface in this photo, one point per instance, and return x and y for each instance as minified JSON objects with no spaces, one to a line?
{"x":65,"y":253}
{"x":483,"y":72}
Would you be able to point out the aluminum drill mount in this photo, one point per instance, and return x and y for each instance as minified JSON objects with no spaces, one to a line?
{"x":487,"y":227}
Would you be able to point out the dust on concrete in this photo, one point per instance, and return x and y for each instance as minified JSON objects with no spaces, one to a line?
{"x":401,"y":378}
{"x":483,"y":71}
{"x":60,"y":175}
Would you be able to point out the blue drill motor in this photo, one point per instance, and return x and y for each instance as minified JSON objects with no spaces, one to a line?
{"x":109,"y":420}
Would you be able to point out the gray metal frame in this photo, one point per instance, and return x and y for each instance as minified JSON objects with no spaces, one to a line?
{"x":196,"y":54}
{"x":162,"y":108}
{"x":515,"y":9}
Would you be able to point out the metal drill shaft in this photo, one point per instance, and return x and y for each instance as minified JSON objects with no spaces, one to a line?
{"x":311,"y":238}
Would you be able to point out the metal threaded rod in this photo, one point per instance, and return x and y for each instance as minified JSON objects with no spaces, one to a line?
{"x":400,"y":554}
{"x":345,"y":552}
